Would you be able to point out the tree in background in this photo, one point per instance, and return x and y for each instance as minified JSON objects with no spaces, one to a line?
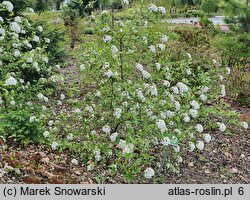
{"x":209,"y":6}
{"x":41,"y":6}
{"x":238,"y":14}
{"x":58,"y":4}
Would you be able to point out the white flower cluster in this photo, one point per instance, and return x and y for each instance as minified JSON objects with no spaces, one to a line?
{"x":161,"y":125}
{"x":149,"y":173}
{"x":126,"y":2}
{"x":9,"y":6}
{"x":117,"y":113}
{"x":154,"y":8}
{"x":126,"y":148}
{"x":222,"y":127}
{"x":106,"y":129}
{"x":11,"y":81}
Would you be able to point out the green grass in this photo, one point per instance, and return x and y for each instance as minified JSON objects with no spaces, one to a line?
{"x":45,"y":16}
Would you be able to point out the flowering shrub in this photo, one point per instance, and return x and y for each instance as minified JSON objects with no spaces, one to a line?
{"x":22,"y":50}
{"x":140,"y":110}
{"x":142,"y":103}
{"x":23,"y":71}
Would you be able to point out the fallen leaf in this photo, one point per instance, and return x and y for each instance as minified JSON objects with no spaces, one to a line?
{"x":234,"y":171}
{"x":191,"y":164}
{"x":45,"y":160}
{"x":32,"y":180}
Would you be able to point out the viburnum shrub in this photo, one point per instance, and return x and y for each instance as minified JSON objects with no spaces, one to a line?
{"x":140,"y":105}
{"x":23,"y":48}
{"x":24,"y":71}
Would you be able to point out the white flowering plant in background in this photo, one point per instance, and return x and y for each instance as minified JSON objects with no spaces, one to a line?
{"x":24,"y":71}
{"x":146,"y":103}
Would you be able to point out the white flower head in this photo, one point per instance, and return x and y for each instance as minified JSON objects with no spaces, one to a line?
{"x":177,"y":105}
{"x":98,"y":94}
{"x":46,"y":134}
{"x":9,"y":6}
{"x":166,"y":83}
{"x":203,"y":97}
{"x":11,"y":81}
{"x":186,"y":118}
{"x":222,"y":127}
{"x":207,"y":138}
{"x":223,"y":90}
{"x":15,"y":27}
{"x":149,"y":173}
{"x":17,"y":53}
{"x":188,"y":71}
{"x":152,"y":49}
{"x":32,"y":119}
{"x":98,"y":155}
{"x":193,"y":113}
{"x":191,"y":146}
{"x":140,"y":95}
{"x":164,"y":39}
{"x":166,"y":141}
{"x":182,"y":87}
{"x":54,"y":145}
{"x":47,"y":40}
{"x":244,"y":125}
{"x":176,"y":148}
{"x":153,"y":8}
{"x":158,"y":66}
{"x":122,"y":144}
{"x":162,"y":47}
{"x":200,"y":145}
{"x":126,"y":2}
{"x":113,"y":137}
{"x":145,"y":74}
{"x":199,"y":128}
{"x":36,"y":39}
{"x":162,"y":10}
{"x":117,"y":113}
{"x":128,"y":148}
{"x":74,"y":161}
{"x":114,"y":49}
{"x":189,"y":56}
{"x":62,"y":96}
{"x":17,"y":19}
{"x":40,"y":96}
{"x":106,"y":129}
{"x":139,"y":67}
{"x":2,"y":32}
{"x":109,"y":73}
{"x":195,"y":105}
{"x":161,"y":125}
{"x":179,"y":159}
{"x":153,"y":90}
{"x":228,"y":70}
{"x":40,"y":28}
{"x":107,"y":38}
{"x":204,"y":89}
{"x":70,"y":137}
{"x":170,"y":114}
